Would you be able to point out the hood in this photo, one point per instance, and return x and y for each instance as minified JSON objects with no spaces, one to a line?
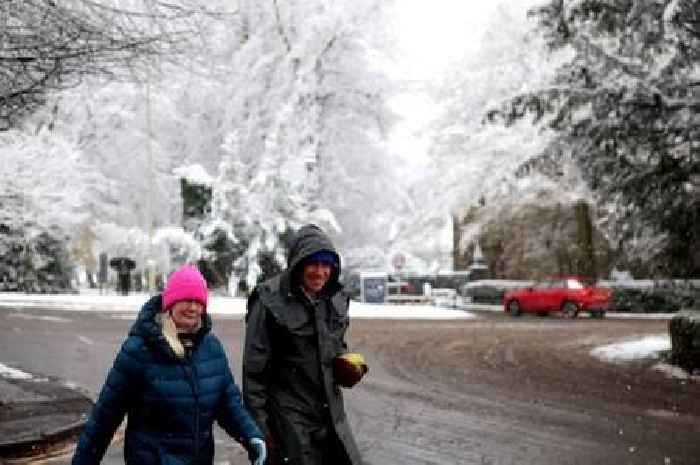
{"x":307,"y":241}
{"x":150,"y":330}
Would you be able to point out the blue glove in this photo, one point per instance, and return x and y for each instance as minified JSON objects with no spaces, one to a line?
{"x":257,"y":452}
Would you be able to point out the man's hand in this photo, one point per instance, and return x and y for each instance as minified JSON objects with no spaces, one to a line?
{"x":257,"y":452}
{"x":349,"y":368}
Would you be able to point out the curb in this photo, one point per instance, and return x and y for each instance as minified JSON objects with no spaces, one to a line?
{"x":32,"y":447}
{"x":38,"y":415}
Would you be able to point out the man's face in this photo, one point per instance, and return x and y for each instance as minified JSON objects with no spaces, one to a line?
{"x":314,"y":276}
{"x":187,"y":314}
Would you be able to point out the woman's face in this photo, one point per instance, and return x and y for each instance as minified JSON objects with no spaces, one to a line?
{"x":187,"y":314}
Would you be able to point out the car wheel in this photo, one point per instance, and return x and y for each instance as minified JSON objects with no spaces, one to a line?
{"x":569,"y":310}
{"x":514,"y":308}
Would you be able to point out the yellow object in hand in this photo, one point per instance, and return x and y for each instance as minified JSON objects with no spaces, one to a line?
{"x":349,"y":368}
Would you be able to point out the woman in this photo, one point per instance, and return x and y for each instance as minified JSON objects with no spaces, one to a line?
{"x":171,"y":379}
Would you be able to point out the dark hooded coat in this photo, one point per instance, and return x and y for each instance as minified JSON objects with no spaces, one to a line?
{"x":291,"y":342}
{"x":170,"y":402}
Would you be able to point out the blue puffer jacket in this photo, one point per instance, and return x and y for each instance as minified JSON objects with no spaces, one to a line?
{"x":170,"y":403}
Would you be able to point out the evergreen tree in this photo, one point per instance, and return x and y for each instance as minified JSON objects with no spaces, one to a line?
{"x":626,"y":108}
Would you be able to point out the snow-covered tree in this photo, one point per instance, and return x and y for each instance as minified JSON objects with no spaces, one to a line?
{"x":294,"y":85}
{"x":625,"y":107}
{"x":65,"y":189}
{"x":306,"y":118}
{"x":470,"y":159}
{"x":33,"y":257}
{"x":180,"y":247}
{"x":79,"y":141}
{"x":47,"y":45}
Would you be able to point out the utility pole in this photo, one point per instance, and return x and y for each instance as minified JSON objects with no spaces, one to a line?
{"x":150,"y":263}
{"x":149,"y":189}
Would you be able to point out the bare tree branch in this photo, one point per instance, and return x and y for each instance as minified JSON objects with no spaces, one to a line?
{"x":47,"y":45}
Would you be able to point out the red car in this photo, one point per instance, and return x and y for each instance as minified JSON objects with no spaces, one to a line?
{"x":568,"y":295}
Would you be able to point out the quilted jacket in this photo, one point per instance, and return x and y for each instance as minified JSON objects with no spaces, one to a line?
{"x":170,"y":403}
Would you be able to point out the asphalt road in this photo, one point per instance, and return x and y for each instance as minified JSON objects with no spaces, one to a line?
{"x":493,"y":390}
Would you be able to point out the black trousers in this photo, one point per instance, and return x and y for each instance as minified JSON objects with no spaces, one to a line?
{"x":331,"y":451}
{"x":326,"y":450}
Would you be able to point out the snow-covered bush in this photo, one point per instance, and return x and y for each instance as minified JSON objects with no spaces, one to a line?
{"x":684,"y":330}
{"x":177,"y":246}
{"x":32,"y":258}
{"x":652,"y":299}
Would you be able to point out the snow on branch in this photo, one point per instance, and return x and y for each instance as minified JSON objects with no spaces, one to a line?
{"x":47,"y":45}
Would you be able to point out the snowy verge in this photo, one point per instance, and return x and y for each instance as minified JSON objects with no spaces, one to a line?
{"x":13,"y":373}
{"x":217,"y":306}
{"x":644,"y":348}
{"x":647,"y":347}
{"x":673,"y":371}
{"x":422,"y":312}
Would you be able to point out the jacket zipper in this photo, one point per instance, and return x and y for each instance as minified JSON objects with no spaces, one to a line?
{"x":191,"y":372}
{"x":196,"y":409}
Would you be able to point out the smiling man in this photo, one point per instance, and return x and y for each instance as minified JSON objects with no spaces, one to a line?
{"x":295,"y":335}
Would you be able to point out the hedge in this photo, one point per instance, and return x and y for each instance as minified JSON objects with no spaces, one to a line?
{"x":684,"y":329}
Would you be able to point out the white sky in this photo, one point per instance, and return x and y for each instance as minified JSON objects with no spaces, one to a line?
{"x":430,"y":36}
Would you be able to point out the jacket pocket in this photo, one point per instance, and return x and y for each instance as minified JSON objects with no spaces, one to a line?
{"x":338,"y":323}
{"x":295,"y":321}
{"x":140,"y":450}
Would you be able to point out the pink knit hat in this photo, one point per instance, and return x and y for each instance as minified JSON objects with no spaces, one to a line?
{"x":187,"y":283}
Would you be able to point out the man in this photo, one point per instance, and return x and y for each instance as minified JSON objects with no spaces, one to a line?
{"x":295,"y":335}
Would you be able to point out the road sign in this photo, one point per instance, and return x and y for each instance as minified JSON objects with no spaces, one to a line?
{"x":398,"y":261}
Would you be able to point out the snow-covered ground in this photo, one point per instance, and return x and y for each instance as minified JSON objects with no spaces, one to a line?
{"x":649,"y":347}
{"x":625,"y":351}
{"x":217,"y":306}
{"x":13,"y":373}
{"x":673,"y":371}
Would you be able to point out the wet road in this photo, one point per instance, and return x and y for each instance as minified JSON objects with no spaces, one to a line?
{"x":486,"y":391}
